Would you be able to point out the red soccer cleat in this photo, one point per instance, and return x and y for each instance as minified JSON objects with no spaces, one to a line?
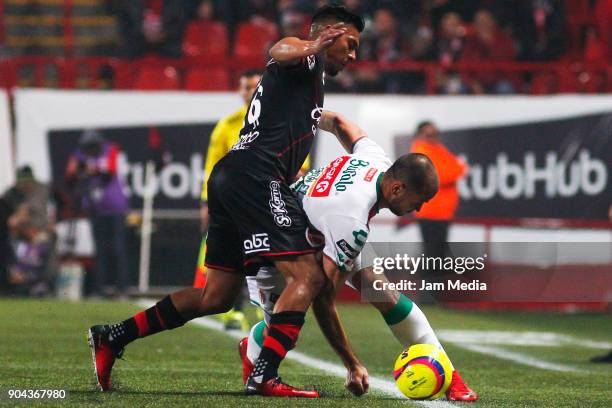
{"x":247,"y":366}
{"x":459,"y":391}
{"x":102,"y":354}
{"x":274,"y":387}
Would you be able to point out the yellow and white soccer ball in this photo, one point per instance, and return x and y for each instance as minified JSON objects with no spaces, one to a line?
{"x":423,"y":371}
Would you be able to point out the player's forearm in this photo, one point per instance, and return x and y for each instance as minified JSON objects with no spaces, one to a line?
{"x":291,"y":50}
{"x":347,"y":132}
{"x":329,"y":321}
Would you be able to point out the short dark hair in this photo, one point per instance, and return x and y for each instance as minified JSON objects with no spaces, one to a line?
{"x":250,"y":73}
{"x":422,"y":124}
{"x":418,"y":172}
{"x":338,"y":13}
{"x":25,"y":173}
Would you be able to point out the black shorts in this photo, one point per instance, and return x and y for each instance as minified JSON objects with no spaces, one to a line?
{"x":254,"y":216}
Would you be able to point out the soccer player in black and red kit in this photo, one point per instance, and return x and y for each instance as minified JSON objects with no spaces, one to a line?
{"x":254,"y":217}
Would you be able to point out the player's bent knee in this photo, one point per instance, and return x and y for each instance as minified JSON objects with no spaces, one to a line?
{"x":211,"y":303}
{"x":209,"y":307}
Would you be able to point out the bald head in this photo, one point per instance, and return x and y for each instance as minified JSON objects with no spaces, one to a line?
{"x":418,"y":172}
{"x":410,"y":182}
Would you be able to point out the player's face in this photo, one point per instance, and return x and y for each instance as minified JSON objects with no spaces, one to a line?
{"x":247,"y":87}
{"x":403,"y":202}
{"x":342,"y":52}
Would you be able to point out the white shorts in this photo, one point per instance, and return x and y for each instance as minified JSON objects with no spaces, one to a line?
{"x":266,"y":287}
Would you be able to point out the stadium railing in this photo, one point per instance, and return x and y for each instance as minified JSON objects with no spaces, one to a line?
{"x":115,"y":73}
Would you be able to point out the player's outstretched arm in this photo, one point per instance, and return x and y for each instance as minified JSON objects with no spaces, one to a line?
{"x":291,"y":50}
{"x":325,"y":311}
{"x":347,"y":132}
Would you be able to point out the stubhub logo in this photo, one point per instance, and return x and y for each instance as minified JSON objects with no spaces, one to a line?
{"x":176,"y":180}
{"x":584,"y":174}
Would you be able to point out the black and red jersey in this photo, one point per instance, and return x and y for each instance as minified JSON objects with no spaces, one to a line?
{"x":284,"y":114}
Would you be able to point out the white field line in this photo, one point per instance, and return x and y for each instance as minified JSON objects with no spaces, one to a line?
{"x":518,"y":338}
{"x":518,"y":358}
{"x":377,"y":383}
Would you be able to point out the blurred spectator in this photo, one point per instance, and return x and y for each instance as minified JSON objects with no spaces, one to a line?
{"x":205,"y":11}
{"x":436,"y":215}
{"x":422,"y":40}
{"x":302,"y":6}
{"x":92,"y":173}
{"x":294,"y":24}
{"x":30,"y":230}
{"x":448,"y":49}
{"x":384,"y":42}
{"x":5,"y":249}
{"x":240,"y":11}
{"x":451,"y":38}
{"x":488,"y":44}
{"x":34,"y":195}
{"x":151,"y":26}
{"x":601,"y":42}
{"x":539,"y":28}
{"x":357,"y":7}
{"x":438,"y":9}
{"x":29,"y":272}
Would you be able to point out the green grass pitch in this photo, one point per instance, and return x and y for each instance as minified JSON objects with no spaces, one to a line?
{"x":43,"y":346}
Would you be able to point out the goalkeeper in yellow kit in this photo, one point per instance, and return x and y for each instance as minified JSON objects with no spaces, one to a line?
{"x":223,"y":137}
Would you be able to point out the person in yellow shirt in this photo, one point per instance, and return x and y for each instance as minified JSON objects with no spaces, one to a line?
{"x":224,"y":136}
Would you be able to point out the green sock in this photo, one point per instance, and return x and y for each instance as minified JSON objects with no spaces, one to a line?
{"x":402,"y":308}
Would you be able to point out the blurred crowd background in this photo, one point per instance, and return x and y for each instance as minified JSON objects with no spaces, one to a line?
{"x":469,"y":47}
{"x":412,"y":46}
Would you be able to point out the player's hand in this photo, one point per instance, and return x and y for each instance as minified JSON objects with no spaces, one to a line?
{"x":329,"y":35}
{"x":357,"y":380}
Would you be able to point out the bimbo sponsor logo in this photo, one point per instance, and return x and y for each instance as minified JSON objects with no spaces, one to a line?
{"x":555,"y":177}
{"x":324,"y":184}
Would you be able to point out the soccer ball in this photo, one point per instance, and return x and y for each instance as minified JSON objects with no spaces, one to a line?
{"x":423,"y":371}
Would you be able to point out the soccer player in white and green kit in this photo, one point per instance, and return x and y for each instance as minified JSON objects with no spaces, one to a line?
{"x":340,"y":200}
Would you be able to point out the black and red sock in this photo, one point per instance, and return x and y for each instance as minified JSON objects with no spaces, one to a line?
{"x":282,"y":335}
{"x":162,"y":316}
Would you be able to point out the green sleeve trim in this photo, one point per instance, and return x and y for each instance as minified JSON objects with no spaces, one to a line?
{"x":258,"y":333}
{"x":402,"y":308}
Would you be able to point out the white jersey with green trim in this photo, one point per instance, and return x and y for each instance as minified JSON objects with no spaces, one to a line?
{"x":341,"y":198}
